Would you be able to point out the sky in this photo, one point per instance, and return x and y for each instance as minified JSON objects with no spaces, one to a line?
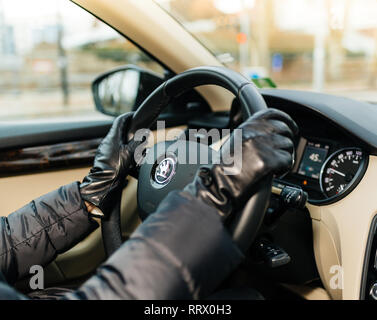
{"x":292,"y":15}
{"x":27,"y":16}
{"x":42,"y":12}
{"x":291,"y":11}
{"x":17,"y":10}
{"x":304,"y":14}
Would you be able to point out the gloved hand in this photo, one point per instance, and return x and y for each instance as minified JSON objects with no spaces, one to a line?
{"x":112,"y":164}
{"x":267,"y":148}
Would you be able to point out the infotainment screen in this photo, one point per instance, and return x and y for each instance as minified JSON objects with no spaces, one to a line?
{"x":312,"y":159}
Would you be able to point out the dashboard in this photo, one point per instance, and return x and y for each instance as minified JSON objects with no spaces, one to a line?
{"x":336,"y":165}
{"x":329,"y":160}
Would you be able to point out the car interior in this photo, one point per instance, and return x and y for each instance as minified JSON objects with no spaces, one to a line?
{"x":318,"y":238}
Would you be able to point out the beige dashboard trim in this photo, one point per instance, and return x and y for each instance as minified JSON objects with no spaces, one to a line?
{"x":340,"y":232}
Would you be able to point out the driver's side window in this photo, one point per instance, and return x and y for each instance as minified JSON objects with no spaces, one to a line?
{"x":49,"y":58}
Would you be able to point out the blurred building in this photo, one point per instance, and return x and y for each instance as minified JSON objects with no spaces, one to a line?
{"x":299,"y":43}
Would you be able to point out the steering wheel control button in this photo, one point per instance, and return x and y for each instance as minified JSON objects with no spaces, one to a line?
{"x":293,"y":197}
{"x":373,"y":291}
{"x":165,"y":171}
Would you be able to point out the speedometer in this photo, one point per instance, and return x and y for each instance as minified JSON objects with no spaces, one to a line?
{"x":341,"y":171}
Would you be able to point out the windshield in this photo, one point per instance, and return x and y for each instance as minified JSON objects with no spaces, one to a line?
{"x":323,"y":45}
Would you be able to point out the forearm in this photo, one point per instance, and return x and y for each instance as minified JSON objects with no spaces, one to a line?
{"x":39,"y":231}
{"x":182,"y":251}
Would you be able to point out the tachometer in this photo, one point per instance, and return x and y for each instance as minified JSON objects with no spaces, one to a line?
{"x":341,"y":171}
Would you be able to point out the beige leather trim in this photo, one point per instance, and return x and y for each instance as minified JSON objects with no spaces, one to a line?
{"x":307,"y":292}
{"x":17,"y":191}
{"x":340,"y":232}
{"x":326,"y":256}
{"x":147,"y":24}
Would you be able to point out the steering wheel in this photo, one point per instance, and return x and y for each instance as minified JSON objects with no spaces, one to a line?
{"x":154,"y":186}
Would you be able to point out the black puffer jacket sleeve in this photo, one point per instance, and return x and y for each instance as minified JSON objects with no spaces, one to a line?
{"x":47,"y":226}
{"x":182,"y":251}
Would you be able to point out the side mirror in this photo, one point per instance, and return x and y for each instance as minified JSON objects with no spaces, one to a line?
{"x":123,"y":89}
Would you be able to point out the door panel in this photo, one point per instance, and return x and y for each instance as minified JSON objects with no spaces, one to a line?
{"x":27,"y":173}
{"x":36,"y":158}
{"x":39,"y":133}
{"x":50,"y":157}
{"x":40,"y":157}
{"x":19,"y":190}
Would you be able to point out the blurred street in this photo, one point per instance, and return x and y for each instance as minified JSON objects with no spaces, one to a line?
{"x":49,"y":57}
{"x":32,"y":105}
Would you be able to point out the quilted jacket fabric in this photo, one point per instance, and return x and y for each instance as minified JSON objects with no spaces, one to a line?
{"x":182,"y":251}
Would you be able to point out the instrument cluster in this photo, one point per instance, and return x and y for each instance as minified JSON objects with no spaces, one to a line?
{"x":326,"y":170}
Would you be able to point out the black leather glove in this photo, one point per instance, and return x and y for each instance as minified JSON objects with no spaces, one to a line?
{"x":112,"y":164}
{"x":267,"y":148}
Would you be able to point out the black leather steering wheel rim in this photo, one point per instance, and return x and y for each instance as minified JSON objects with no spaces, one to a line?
{"x":245,"y":227}
{"x":250,"y":99}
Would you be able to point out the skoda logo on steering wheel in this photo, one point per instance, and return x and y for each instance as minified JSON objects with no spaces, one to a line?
{"x":165,"y":171}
